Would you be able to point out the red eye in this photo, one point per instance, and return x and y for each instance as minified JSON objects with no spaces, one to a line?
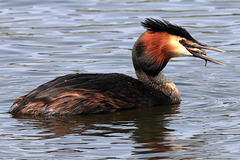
{"x":181,"y":41}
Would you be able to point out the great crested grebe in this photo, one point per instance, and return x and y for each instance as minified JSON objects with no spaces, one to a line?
{"x":75,"y":94}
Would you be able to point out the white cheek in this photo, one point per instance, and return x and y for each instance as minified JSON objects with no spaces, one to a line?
{"x":179,"y":50}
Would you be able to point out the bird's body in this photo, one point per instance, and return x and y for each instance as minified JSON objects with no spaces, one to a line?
{"x":91,"y":93}
{"x":75,"y":94}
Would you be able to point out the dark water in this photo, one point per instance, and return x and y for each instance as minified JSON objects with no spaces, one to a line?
{"x":41,"y":40}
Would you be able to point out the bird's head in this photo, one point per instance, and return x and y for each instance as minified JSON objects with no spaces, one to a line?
{"x":163,"y":41}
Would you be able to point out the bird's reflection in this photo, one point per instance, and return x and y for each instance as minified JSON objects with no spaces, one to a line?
{"x":145,"y":126}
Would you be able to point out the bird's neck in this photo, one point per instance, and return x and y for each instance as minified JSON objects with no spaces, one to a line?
{"x":149,"y":58}
{"x":160,"y":83}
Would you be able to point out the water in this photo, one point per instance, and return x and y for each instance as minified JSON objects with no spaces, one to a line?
{"x":41,"y":40}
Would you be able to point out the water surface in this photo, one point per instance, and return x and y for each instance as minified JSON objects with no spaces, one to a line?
{"x":41,"y":40}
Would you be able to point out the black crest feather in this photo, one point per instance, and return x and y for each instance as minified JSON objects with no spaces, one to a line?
{"x":156,"y":25}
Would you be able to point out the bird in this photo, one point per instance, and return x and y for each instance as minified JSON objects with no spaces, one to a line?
{"x":83,"y":93}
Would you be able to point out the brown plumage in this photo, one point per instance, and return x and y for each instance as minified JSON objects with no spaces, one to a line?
{"x":75,"y":94}
{"x":88,"y":93}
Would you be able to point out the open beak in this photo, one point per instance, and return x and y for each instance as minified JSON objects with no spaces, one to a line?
{"x":197,"y":51}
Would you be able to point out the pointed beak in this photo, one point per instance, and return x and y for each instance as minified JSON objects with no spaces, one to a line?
{"x":197,"y":51}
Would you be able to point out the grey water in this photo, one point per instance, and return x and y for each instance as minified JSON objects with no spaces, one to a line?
{"x":40,"y":40}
